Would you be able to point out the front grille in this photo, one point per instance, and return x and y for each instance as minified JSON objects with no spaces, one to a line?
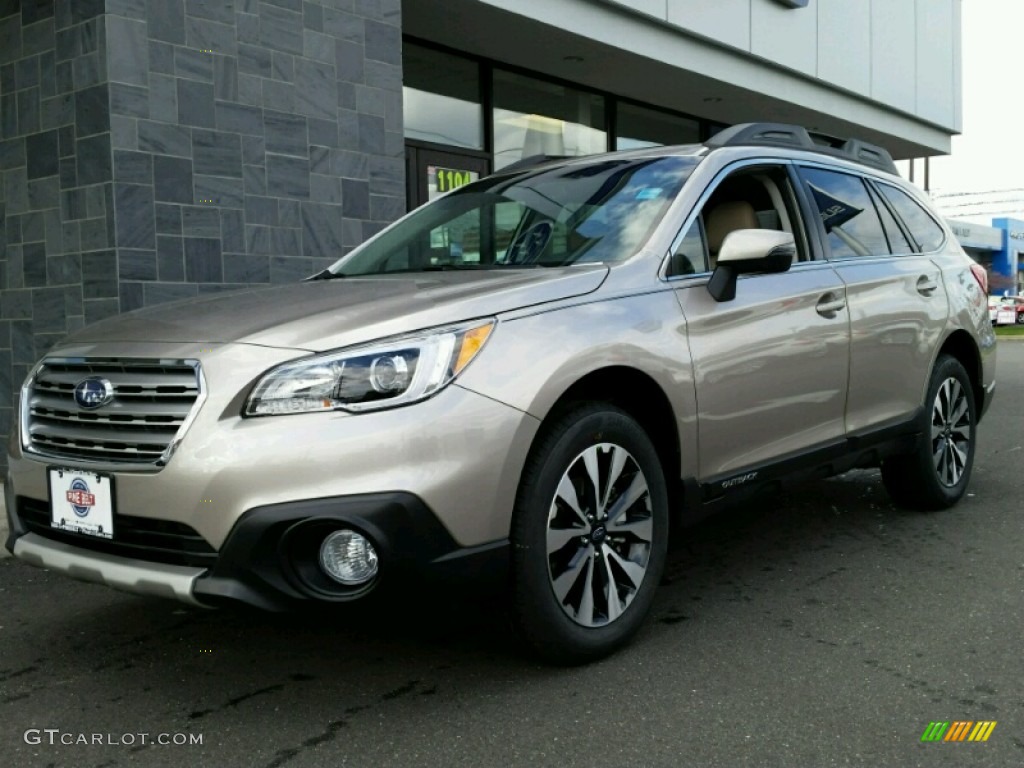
{"x":142,"y":538}
{"x":152,"y":400}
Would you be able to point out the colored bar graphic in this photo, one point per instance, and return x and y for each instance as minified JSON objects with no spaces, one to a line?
{"x":982,"y":730}
{"x":958,"y":730}
{"x":935,"y":731}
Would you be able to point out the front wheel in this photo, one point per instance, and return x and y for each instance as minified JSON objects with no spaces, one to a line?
{"x":589,"y":535}
{"x":936,"y":473}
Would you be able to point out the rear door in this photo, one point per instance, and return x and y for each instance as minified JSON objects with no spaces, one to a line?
{"x":770,"y":366}
{"x":896,"y":300}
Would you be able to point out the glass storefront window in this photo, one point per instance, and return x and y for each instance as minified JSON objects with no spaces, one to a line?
{"x":534,"y":117}
{"x":637,"y":127}
{"x":441,"y":98}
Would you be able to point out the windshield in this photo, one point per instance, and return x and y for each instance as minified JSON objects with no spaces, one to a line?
{"x":600,"y":212}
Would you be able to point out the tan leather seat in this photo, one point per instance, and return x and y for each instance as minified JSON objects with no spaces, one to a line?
{"x":725,"y":218}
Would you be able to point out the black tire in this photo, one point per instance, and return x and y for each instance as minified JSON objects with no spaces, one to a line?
{"x":595,"y":555}
{"x":935,"y":475}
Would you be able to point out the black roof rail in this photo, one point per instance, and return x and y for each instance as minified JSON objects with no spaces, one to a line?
{"x":798,"y":137}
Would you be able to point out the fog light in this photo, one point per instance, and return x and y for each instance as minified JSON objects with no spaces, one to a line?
{"x":348,"y":558}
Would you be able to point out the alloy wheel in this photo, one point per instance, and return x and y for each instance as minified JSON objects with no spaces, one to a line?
{"x":599,"y":533}
{"x":950,"y":432}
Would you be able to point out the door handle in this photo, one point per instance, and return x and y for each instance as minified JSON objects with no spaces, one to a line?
{"x":926,"y":285}
{"x":830,"y":305}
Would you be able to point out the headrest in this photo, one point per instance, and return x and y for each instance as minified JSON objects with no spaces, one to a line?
{"x":728,"y":217}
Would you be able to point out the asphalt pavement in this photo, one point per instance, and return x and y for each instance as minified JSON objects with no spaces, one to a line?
{"x":818,"y":628}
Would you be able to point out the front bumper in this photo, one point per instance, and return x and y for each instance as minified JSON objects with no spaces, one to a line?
{"x":434,"y":482}
{"x":269,"y":559}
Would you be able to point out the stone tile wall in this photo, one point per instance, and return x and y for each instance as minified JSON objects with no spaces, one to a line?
{"x":157,"y":149}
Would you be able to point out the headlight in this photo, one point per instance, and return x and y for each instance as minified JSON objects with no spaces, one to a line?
{"x":384,"y":374}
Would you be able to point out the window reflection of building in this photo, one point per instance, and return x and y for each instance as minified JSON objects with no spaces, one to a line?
{"x":441,"y":98}
{"x":638,"y":127}
{"x":534,"y":117}
{"x":478,"y":109}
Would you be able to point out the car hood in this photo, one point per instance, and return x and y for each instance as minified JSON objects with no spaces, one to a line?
{"x":327,"y":314}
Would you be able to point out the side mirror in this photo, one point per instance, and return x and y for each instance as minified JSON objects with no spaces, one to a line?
{"x":749,"y":251}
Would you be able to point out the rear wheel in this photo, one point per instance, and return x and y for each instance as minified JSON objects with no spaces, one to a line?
{"x":589,"y":535}
{"x":936,"y":474}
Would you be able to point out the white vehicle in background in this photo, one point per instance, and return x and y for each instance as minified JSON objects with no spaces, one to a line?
{"x":1006,"y":310}
{"x":993,"y":308}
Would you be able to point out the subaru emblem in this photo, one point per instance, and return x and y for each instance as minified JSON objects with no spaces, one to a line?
{"x":93,"y":393}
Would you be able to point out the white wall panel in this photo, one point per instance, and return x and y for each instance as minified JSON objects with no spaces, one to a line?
{"x":935,"y":53}
{"x":958,"y":63}
{"x":727,"y":21}
{"x":844,"y":45}
{"x":874,"y":68}
{"x":786,"y":36}
{"x":893,"y":53}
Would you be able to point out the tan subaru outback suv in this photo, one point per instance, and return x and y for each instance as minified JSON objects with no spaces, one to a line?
{"x":532,"y":378}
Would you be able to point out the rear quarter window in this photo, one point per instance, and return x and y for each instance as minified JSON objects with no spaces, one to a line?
{"x":923,"y":228}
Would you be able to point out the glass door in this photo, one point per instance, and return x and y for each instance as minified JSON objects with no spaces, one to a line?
{"x":433,"y":172}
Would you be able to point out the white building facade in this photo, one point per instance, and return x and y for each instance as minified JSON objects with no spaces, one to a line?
{"x":493,"y":81}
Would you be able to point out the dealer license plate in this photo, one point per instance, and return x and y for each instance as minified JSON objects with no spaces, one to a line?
{"x":81,"y":502}
{"x":1006,"y":316}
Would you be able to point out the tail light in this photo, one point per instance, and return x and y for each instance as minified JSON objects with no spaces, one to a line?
{"x":981,"y":276}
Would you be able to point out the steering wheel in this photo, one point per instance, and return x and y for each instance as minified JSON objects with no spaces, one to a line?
{"x":528,"y":247}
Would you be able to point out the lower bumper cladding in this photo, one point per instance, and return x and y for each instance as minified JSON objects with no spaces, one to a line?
{"x":271,"y":557}
{"x":159,"y":579}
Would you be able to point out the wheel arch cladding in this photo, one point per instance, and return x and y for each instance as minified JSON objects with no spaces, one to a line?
{"x":961,"y":346}
{"x":641,"y":397}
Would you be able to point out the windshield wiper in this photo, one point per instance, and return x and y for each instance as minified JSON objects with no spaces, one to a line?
{"x":326,"y":275}
{"x":450,"y":267}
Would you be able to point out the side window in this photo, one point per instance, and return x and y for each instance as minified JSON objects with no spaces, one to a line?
{"x":847,"y":212}
{"x":758,"y":197}
{"x":898,"y":242}
{"x":922,"y":226}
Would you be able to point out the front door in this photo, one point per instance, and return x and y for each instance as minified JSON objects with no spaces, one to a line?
{"x":770,"y":366}
{"x":433,"y":172}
